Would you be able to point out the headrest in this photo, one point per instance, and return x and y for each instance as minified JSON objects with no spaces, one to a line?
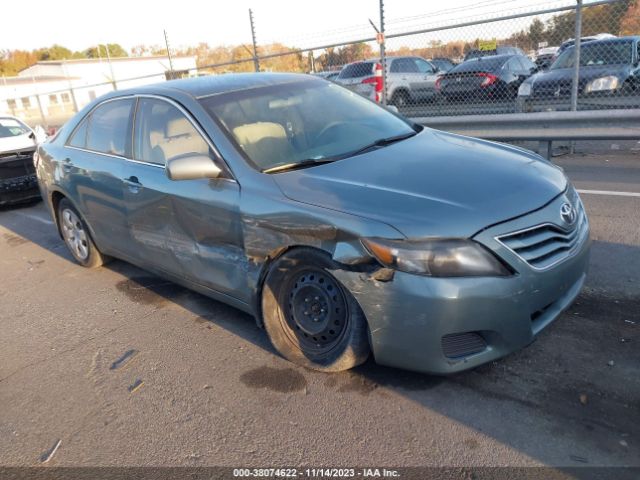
{"x":179,"y":126}
{"x":254,"y":132}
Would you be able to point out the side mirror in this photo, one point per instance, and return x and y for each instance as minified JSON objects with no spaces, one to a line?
{"x":191,"y":167}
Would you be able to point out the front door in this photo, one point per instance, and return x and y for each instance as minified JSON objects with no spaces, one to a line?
{"x":190,"y":228}
{"x":428,"y":77}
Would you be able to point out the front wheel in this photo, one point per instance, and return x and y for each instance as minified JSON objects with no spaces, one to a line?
{"x":310,"y":317}
{"x":77,"y":237}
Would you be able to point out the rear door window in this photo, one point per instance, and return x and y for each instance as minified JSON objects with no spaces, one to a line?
{"x":109,"y":128}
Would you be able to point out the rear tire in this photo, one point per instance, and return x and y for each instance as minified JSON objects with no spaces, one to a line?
{"x":310,"y":317}
{"x":400,"y":99}
{"x":76,"y":236}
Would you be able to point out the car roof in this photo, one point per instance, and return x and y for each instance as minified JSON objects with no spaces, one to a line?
{"x":631,"y":38}
{"x":504,"y":56}
{"x":215,"y":84}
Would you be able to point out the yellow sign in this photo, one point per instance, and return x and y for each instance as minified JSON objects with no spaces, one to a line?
{"x":486,"y":45}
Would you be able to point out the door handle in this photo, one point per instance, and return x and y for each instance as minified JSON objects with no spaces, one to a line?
{"x":133,"y":184}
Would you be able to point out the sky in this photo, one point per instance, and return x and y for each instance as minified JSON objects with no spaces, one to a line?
{"x":79,"y":24}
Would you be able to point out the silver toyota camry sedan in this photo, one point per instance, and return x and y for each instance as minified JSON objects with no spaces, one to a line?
{"x":345,"y":229}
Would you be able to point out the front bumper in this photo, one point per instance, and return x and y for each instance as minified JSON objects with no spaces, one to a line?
{"x":416,"y":321}
{"x":19,"y":189}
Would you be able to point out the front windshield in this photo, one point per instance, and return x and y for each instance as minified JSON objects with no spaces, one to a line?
{"x":301,"y":121}
{"x":595,"y":54}
{"x":10,"y":127}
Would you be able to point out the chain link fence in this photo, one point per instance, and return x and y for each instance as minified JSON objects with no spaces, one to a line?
{"x":449,"y":63}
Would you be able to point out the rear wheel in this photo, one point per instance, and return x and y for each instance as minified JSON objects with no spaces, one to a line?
{"x":310,"y":317}
{"x":77,"y":237}
{"x":400,"y":99}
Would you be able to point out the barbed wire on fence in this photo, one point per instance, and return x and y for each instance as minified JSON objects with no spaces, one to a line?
{"x":502,"y":58}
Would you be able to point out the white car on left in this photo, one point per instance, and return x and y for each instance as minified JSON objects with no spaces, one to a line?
{"x":18,"y":142}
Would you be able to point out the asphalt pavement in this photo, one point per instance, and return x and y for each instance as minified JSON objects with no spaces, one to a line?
{"x":114,"y":366}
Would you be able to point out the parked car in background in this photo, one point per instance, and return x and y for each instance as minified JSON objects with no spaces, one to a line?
{"x":609,"y":75}
{"x":327,"y":75}
{"x":500,"y":50}
{"x":442,"y":64}
{"x":18,"y":142}
{"x":486,"y":78}
{"x":571,"y":42}
{"x":545,"y":56}
{"x":344,"y":228}
{"x":409,"y":79}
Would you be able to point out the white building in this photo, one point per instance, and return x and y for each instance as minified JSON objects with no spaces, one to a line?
{"x":50,"y":92}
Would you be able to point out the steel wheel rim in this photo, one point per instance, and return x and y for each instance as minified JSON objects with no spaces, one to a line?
{"x":74,"y":234}
{"x":316,"y":311}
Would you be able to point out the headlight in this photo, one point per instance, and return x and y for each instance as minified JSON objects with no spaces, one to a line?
{"x":524,"y":90}
{"x":601,"y":84}
{"x":438,"y":258}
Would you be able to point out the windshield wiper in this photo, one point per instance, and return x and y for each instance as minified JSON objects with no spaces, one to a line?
{"x":310,"y":162}
{"x":383,"y":142}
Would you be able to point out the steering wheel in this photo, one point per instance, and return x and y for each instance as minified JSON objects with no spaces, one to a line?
{"x":327,"y":128}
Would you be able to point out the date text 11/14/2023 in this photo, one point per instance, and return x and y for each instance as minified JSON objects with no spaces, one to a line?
{"x":315,"y":473}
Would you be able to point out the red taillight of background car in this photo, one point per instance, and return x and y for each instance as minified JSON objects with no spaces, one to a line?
{"x":376,"y":80}
{"x":438,"y":82}
{"x":489,"y":79}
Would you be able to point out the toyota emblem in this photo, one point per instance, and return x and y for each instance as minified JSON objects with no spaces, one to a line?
{"x":568,"y":213}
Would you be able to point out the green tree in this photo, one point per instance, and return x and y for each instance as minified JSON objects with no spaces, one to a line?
{"x":54,"y":52}
{"x":99,"y":51}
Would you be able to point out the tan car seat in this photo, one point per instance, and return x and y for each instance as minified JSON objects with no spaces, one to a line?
{"x":181,"y":138}
{"x":266,"y":143}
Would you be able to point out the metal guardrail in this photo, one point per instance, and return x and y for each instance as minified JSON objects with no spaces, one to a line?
{"x":545,"y":127}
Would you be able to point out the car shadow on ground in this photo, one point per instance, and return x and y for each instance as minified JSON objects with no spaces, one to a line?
{"x":579,"y":374}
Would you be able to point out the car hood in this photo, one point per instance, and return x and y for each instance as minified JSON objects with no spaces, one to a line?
{"x":558,"y":76}
{"x":433,"y":184}
{"x":19,"y":142}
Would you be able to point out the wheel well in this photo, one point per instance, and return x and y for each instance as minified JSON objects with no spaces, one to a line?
{"x":269,"y":261}
{"x":401,"y":91}
{"x":55,"y":201}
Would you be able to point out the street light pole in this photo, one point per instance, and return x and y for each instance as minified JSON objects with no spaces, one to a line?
{"x":113,"y":77}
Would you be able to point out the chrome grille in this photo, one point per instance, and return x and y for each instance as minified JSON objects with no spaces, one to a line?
{"x":545,"y":245}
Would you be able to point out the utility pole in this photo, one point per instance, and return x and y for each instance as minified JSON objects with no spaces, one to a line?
{"x":383,"y":58}
{"x":166,"y":42}
{"x":256,"y":61}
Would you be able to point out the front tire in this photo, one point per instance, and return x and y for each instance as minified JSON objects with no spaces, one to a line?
{"x":310,"y":317}
{"x":76,"y":236}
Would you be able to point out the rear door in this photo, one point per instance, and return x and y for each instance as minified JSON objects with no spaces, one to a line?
{"x":189,"y":228}
{"x":404,"y":73}
{"x":91,"y":171}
